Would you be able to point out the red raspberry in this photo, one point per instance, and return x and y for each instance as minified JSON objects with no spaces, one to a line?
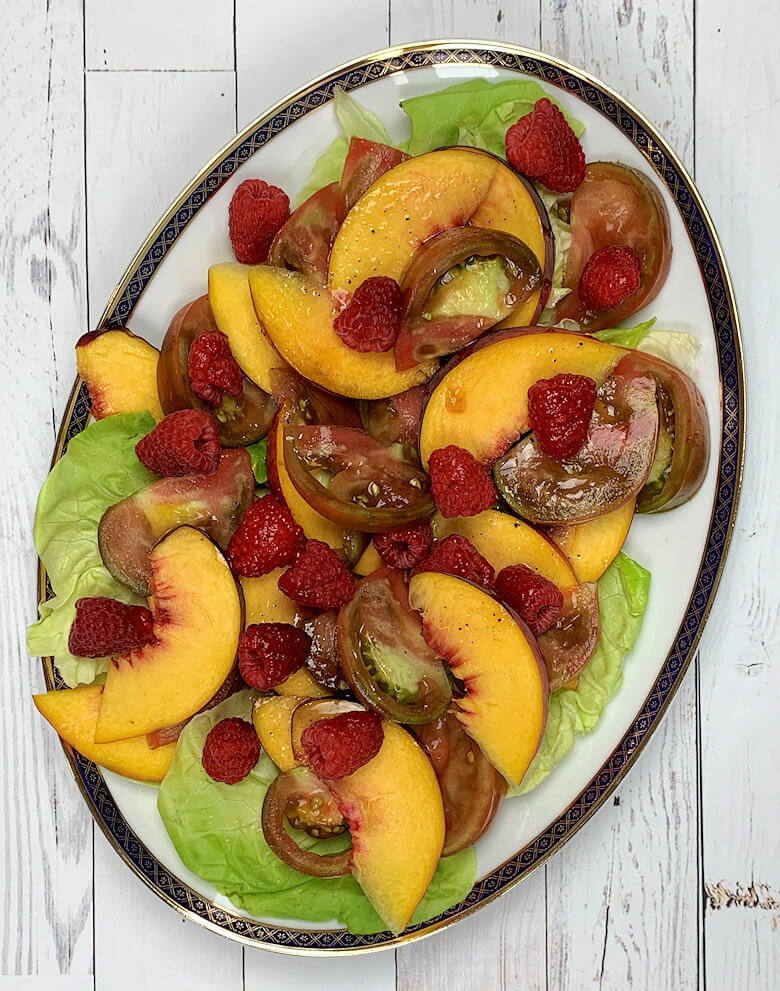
{"x":611,"y":275}
{"x":536,"y":600}
{"x":268,"y":653}
{"x":318,"y":579}
{"x":457,"y":556}
{"x":256,"y":213}
{"x":404,"y":546}
{"x":542,"y":146}
{"x":339,"y":746}
{"x":266,"y":538}
{"x":231,"y":750}
{"x":559,"y":411}
{"x":183,"y":443}
{"x":459,"y":484}
{"x":372,"y":318}
{"x":212,"y":369}
{"x":104,"y":627}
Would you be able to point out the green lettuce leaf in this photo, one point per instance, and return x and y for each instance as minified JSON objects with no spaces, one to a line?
{"x":625,"y":337}
{"x":623,"y":596}
{"x":356,"y":122}
{"x":476,"y":113}
{"x":99,"y":469}
{"x":257,"y":453}
{"x":217,"y":833}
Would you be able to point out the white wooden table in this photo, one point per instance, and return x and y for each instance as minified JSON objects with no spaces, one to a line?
{"x":108,"y":108}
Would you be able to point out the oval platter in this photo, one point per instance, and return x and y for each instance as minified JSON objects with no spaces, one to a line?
{"x":685,"y":550}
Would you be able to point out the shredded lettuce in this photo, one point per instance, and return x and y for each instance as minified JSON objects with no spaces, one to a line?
{"x":477,"y":113}
{"x":99,"y":469}
{"x":623,"y":597}
{"x":217,"y":833}
{"x":561,"y":229}
{"x":257,"y":453}
{"x":356,"y":122}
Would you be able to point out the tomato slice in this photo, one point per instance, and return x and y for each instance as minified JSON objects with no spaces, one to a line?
{"x":427,"y":335}
{"x":384,"y":657}
{"x":350,"y":478}
{"x":610,"y":468}
{"x":471,"y":788}
{"x":616,"y":204}
{"x":304,"y":241}
{"x":569,"y":645}
{"x":395,"y":420}
{"x":366,"y":161}
{"x":310,"y":403}
{"x":323,"y":660}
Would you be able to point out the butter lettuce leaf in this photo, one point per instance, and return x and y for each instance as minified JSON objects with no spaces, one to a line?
{"x":99,"y":469}
{"x":623,"y":595}
{"x":257,"y":454}
{"x":625,"y":337}
{"x":678,"y":347}
{"x":216,"y":831}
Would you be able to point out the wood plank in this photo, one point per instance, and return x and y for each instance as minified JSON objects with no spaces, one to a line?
{"x":628,"y":884}
{"x":323,"y":39}
{"x":45,"y":830}
{"x":147,"y":134}
{"x":737,"y":126}
{"x":416,"y":20}
{"x":159,"y":34}
{"x":264,"y":971}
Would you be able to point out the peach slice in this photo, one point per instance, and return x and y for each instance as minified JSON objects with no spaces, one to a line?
{"x":120,"y":372}
{"x":504,"y":540}
{"x":298,"y":317}
{"x":369,"y":561}
{"x":212,"y":503}
{"x":480,"y":401}
{"x":396,"y":818}
{"x":491,"y":650}
{"x":234,"y":313}
{"x":73,"y":712}
{"x":272,"y":716}
{"x":402,"y":209}
{"x":592,"y":546}
{"x":198,"y":615}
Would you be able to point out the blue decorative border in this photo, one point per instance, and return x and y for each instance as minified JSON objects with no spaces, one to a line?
{"x":717,"y":285}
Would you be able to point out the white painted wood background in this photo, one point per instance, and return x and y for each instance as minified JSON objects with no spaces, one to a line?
{"x":108,"y":108}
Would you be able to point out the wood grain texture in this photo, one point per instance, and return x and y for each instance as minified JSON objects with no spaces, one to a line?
{"x":517,"y":21}
{"x":45,"y":829}
{"x":737,"y":123}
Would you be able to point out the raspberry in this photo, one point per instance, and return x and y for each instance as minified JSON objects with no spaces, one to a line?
{"x":104,"y":627}
{"x":372,"y":318}
{"x":339,"y":746}
{"x":183,"y":443}
{"x":268,"y":653}
{"x":266,"y":538}
{"x":542,"y":146}
{"x":256,"y":213}
{"x":459,"y":484}
{"x":318,"y":579}
{"x":231,"y":750}
{"x":404,"y":546}
{"x":457,"y":556}
{"x":611,"y":275}
{"x":212,"y":369}
{"x":537,"y":601}
{"x":559,"y":411}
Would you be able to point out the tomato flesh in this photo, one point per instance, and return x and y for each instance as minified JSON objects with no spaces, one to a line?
{"x":304,"y":241}
{"x":366,"y":161}
{"x":571,"y":642}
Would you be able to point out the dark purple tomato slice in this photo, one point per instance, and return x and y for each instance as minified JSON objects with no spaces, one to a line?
{"x":426,"y":333}
{"x":395,"y":420}
{"x":323,"y":660}
{"x":610,"y":468}
{"x":616,"y":204}
{"x":569,"y":645}
{"x":350,"y":478}
{"x":291,"y":794}
{"x":383,"y":655}
{"x":304,"y":241}
{"x":312,"y":404}
{"x":366,"y":161}
{"x":471,"y":788}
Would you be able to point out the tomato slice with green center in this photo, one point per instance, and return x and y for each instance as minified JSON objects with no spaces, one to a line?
{"x":471,"y":788}
{"x":384,"y":657}
{"x":352,"y":479}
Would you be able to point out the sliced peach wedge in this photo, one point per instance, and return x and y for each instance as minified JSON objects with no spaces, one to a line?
{"x":198,"y":615}
{"x":120,"y":372}
{"x":73,"y":712}
{"x":298,"y":317}
{"x":592,"y":546}
{"x":234,"y":314}
{"x":493,"y":653}
{"x":479,"y":400}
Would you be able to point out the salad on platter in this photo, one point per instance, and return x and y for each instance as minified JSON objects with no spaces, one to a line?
{"x":339,"y":568}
